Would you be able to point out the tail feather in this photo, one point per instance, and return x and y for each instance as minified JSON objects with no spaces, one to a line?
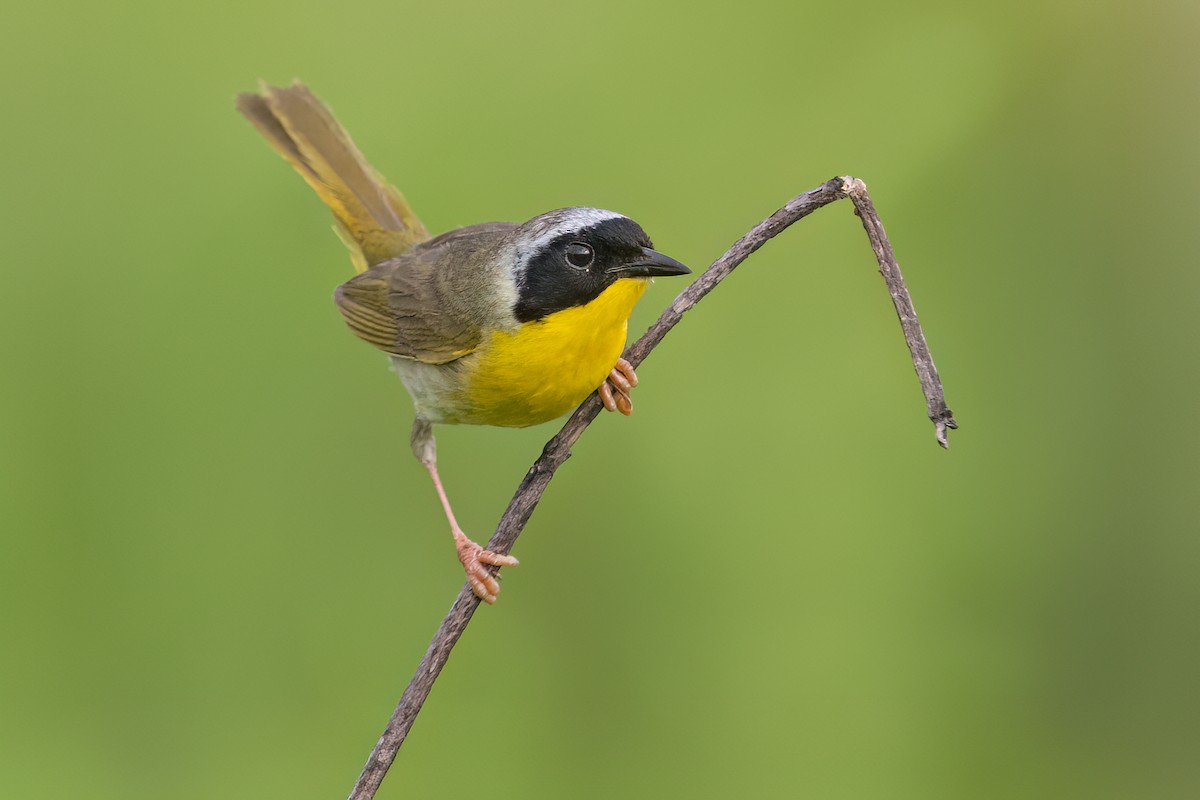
{"x":374,"y":220}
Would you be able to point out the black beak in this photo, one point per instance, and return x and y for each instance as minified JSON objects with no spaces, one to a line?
{"x":651,"y":263}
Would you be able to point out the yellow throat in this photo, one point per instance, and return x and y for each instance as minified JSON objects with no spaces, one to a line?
{"x":545,"y":368}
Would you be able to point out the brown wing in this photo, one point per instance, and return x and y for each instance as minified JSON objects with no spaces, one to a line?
{"x":433,"y":303}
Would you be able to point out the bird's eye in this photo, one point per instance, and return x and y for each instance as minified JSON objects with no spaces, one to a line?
{"x":579,"y":255}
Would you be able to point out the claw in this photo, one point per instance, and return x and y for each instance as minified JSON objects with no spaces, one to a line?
{"x":626,"y":369}
{"x":616,"y":389}
{"x":606,"y":396}
{"x":619,"y":381}
{"x":474,"y":558}
{"x":624,"y":402}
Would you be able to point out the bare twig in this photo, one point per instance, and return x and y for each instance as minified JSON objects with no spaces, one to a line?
{"x":927,"y":373}
{"x":558,"y":449}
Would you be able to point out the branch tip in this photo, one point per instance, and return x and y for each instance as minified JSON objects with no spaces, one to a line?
{"x":943,"y":423}
{"x":852,"y":185}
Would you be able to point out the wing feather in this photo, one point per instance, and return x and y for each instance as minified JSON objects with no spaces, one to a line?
{"x":433,"y":303}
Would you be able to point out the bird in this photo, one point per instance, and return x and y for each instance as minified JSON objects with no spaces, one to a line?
{"x":499,"y":323}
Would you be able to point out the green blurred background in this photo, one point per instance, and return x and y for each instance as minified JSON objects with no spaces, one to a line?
{"x":219,"y":563}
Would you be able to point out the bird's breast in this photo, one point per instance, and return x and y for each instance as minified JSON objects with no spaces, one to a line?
{"x":543,"y":369}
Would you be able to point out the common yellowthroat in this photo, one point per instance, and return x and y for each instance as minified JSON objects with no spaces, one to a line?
{"x":492,"y":324}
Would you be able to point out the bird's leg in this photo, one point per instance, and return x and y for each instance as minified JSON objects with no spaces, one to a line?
{"x":475,"y":560}
{"x":615,"y":390}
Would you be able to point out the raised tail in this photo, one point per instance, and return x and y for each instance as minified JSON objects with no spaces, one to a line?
{"x":373,"y":218}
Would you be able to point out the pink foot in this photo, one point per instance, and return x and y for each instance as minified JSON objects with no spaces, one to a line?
{"x":616,"y":389}
{"x":475,"y":561}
